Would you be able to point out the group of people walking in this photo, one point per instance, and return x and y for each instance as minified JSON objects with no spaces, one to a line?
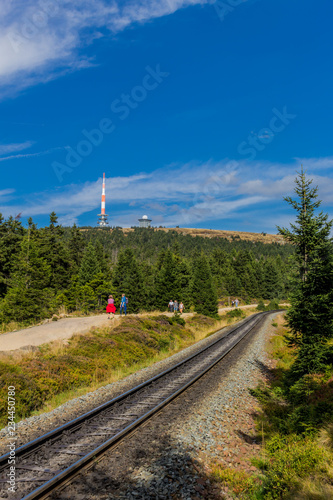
{"x":111,"y":308}
{"x":175,"y":307}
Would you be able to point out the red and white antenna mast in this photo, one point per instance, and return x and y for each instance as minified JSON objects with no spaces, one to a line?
{"x":103,"y":217}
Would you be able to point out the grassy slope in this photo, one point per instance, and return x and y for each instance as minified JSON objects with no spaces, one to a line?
{"x":296,"y":431}
{"x":217,"y":233}
{"x":57,"y":372}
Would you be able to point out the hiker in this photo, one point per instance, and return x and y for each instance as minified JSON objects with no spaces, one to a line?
{"x":236,"y":302}
{"x":175,"y":306}
{"x":181,"y":307}
{"x":232,"y":303}
{"x":170,"y":305}
{"x":123,"y":305}
{"x":110,"y":308}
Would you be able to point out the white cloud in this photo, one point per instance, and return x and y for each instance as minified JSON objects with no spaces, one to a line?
{"x":41,"y":40}
{"x":179,"y":194}
{"x":29,"y":155}
{"x":5,"y":192}
{"x":12,"y":148}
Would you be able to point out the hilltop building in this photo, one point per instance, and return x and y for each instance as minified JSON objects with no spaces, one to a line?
{"x":144,"y":221}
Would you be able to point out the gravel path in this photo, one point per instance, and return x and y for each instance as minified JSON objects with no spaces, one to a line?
{"x":65,"y":328}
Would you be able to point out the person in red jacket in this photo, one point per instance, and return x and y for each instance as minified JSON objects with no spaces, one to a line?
{"x":110,"y":308}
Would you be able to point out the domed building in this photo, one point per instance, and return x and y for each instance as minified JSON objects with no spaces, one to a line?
{"x":144,"y":221}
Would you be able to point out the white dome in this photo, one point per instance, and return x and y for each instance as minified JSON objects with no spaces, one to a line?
{"x":145,"y":216}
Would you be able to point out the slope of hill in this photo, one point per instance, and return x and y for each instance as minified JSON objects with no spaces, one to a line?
{"x":217,"y":233}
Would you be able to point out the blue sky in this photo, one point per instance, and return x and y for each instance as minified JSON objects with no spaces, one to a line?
{"x":199,"y":112}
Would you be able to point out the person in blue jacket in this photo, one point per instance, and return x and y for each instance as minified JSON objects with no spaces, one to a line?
{"x":123,"y":305}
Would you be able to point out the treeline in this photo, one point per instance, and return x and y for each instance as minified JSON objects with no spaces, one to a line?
{"x":46,"y":270}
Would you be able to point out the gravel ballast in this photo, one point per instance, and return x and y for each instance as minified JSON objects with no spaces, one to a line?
{"x":168,"y":458}
{"x":34,"y":426}
{"x":213,"y":421}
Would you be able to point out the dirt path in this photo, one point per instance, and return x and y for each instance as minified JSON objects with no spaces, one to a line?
{"x":64,"y":329}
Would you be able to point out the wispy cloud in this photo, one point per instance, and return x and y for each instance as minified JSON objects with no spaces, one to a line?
{"x":5,"y":192}
{"x":40,"y":41}
{"x":5,"y":149}
{"x":29,"y":155}
{"x":180,"y":194}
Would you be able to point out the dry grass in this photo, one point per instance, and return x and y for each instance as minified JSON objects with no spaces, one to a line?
{"x":58,"y":347}
{"x":10,"y":327}
{"x":216,"y":233}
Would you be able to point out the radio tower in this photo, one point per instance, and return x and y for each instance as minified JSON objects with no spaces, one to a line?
{"x":102,"y":217}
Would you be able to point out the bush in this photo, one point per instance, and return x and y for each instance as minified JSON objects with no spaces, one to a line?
{"x":235,"y":313}
{"x":261,"y":306}
{"x":290,"y":458}
{"x":47,"y":373}
{"x":274,"y":304}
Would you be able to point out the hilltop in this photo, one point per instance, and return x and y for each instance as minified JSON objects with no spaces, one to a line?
{"x":217,"y":233}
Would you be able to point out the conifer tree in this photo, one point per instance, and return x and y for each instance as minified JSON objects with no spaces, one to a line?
{"x":127,"y":279}
{"x":11,"y":235}
{"x":167,"y":282}
{"x":203,"y":292}
{"x":29,"y":296}
{"x":310,"y":317}
{"x":90,"y":265}
{"x":76,"y":246}
{"x":55,"y":253}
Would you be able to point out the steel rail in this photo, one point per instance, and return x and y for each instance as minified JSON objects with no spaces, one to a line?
{"x":67,"y":474}
{"x":33,"y":445}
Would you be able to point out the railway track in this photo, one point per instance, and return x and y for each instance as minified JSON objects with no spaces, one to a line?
{"x":54,"y":459}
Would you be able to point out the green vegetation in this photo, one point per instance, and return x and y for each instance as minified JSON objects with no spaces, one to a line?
{"x":93,"y":357}
{"x":295,"y":459}
{"x":295,"y":424}
{"x":272,"y":306}
{"x":57,"y":372}
{"x":295,"y":427}
{"x":310,"y":317}
{"x":44,"y":271}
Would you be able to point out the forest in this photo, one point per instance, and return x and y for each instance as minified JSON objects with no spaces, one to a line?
{"x":44,"y":271}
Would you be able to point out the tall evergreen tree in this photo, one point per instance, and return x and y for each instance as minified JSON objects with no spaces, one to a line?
{"x":55,"y":253}
{"x":202,"y":290}
{"x":29,"y":297}
{"x":310,"y":317}
{"x":127,"y":279}
{"x":167,"y":282}
{"x":11,"y":236}
{"x":90,"y":265}
{"x":76,"y":246}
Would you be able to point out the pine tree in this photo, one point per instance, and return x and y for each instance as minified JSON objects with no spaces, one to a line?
{"x":310,"y":317}
{"x":203,"y":293}
{"x":167,"y":282}
{"x":76,"y":246}
{"x":55,"y":253}
{"x":90,"y":265}
{"x":11,"y":235}
{"x":127,"y":279}
{"x":29,"y":296}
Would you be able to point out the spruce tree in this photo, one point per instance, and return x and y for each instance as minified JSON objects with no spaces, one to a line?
{"x":76,"y":246}
{"x":11,"y":235}
{"x":310,"y":317}
{"x":167,"y":282}
{"x":55,"y":253}
{"x":90,"y":265}
{"x":203,"y":292}
{"x":127,"y":279}
{"x":29,"y":297}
